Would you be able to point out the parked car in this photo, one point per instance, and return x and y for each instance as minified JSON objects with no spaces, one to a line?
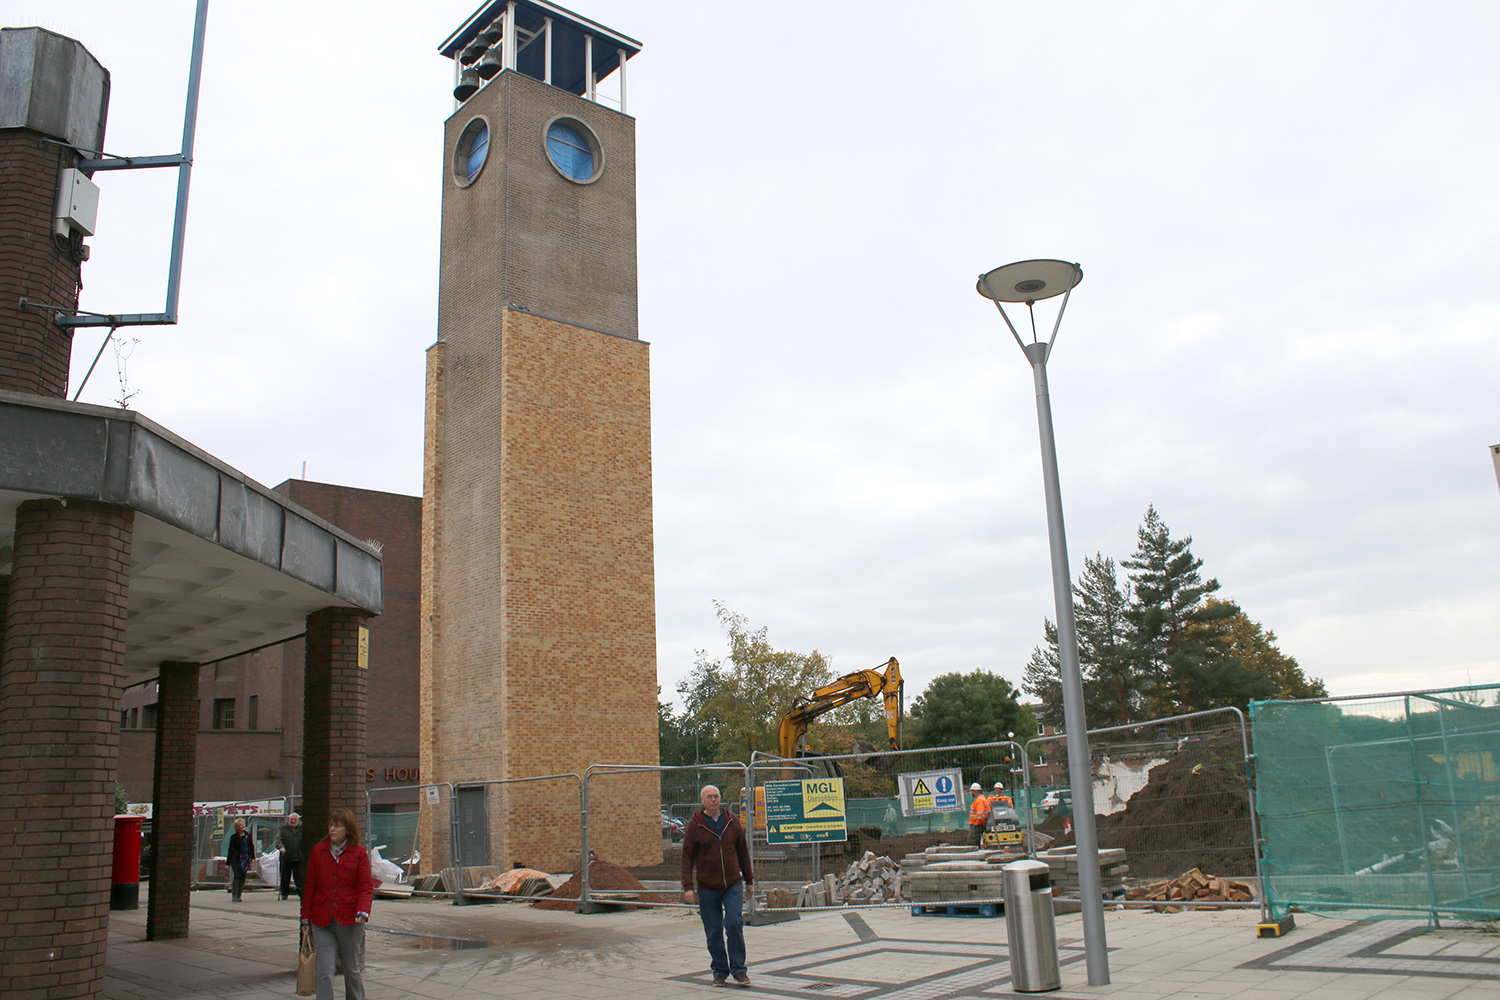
{"x":672,"y":827}
{"x":1058,"y":802}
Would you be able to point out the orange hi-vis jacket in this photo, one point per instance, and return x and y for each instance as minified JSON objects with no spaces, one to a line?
{"x":979,"y":812}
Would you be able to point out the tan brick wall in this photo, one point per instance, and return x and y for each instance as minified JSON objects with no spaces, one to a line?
{"x":539,"y":643}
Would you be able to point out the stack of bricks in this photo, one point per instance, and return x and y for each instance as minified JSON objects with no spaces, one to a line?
{"x":1063,"y":862}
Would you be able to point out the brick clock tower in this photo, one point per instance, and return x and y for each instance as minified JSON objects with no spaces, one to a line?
{"x":538,"y":590}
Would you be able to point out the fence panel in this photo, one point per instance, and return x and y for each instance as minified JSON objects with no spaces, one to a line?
{"x":875,"y":818}
{"x":1382,"y":807}
{"x":613,"y":791}
{"x":1174,"y":793}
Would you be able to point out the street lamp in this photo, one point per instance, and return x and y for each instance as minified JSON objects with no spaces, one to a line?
{"x":1031,"y":281}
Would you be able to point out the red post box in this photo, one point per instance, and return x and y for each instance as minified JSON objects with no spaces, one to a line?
{"x":125,"y":892}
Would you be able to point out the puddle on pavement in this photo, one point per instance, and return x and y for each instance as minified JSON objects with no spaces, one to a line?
{"x":431,"y":942}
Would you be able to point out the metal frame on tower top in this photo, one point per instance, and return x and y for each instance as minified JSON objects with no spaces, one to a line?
{"x":576,"y":51}
{"x":183,"y":161}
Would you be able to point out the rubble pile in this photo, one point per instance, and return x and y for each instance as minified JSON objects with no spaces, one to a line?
{"x":1196,"y":887}
{"x":605,"y":878}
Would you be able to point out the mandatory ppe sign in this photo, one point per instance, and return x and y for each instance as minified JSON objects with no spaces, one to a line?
{"x":800,"y":812}
{"x":925,"y":792}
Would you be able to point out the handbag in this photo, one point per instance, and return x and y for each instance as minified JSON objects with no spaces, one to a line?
{"x":307,"y":966}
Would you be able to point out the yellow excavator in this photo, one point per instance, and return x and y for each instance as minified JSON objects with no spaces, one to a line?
{"x":872,"y":683}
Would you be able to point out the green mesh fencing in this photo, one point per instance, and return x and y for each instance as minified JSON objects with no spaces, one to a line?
{"x":1381,"y":807}
{"x":394,"y":833}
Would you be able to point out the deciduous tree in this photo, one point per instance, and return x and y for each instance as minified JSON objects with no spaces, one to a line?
{"x":739,"y":699}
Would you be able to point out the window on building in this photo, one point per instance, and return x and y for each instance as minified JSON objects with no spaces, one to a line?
{"x":223,"y":713}
{"x":148,"y":717}
{"x":135,"y":719}
{"x":253,"y":719}
{"x":571,"y":151}
{"x":124,"y":718}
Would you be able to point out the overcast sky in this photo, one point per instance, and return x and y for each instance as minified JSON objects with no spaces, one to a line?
{"x":1286,"y":337}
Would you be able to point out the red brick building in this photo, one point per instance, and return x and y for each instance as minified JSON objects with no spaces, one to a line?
{"x":250,"y":706}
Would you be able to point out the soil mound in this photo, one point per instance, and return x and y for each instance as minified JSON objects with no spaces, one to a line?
{"x":604,"y":876}
{"x":1193,"y":813}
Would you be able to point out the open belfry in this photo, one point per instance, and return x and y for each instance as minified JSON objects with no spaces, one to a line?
{"x":538,"y":589}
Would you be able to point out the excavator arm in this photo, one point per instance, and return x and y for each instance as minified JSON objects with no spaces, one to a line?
{"x":860,"y":684}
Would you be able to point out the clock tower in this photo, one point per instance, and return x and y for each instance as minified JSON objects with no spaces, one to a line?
{"x":538,"y":590}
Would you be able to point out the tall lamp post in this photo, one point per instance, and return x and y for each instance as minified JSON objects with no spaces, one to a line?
{"x":1030,"y":281}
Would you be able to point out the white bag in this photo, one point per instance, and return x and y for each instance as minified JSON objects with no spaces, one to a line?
{"x":270,"y":867}
{"x":383,"y":870}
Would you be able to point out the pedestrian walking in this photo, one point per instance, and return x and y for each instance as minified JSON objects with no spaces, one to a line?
{"x":336,"y":900}
{"x":239,"y":856}
{"x":716,"y":858}
{"x":289,"y":839}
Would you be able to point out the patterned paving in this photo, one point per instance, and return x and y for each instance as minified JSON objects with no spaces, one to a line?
{"x":891,"y":969}
{"x":1392,"y":947}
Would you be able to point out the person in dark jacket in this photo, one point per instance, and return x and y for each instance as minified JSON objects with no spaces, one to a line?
{"x":336,"y":898}
{"x":716,"y":858}
{"x":239,"y":856}
{"x":289,"y":839}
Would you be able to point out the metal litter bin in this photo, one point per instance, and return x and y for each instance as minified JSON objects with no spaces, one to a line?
{"x":1028,"y":923}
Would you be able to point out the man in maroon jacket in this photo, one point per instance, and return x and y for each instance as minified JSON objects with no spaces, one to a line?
{"x":716,"y":857}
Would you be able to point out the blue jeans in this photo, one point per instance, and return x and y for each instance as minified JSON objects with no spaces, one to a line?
{"x":723,"y":913}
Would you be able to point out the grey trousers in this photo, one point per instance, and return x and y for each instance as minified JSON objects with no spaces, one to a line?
{"x":350,"y":942}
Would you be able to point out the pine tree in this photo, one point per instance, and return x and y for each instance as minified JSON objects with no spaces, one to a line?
{"x":1179,"y":668}
{"x":1112,"y":685}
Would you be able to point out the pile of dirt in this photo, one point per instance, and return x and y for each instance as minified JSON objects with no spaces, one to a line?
{"x":603,"y":877}
{"x":1193,"y":813}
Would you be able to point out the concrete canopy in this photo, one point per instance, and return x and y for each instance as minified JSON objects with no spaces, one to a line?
{"x":220,"y":564}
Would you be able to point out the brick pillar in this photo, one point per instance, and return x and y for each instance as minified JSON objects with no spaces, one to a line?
{"x":34,"y":351}
{"x":172,"y":807}
{"x":333,"y":719}
{"x":60,"y":681}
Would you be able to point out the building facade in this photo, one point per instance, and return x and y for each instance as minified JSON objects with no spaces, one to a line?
{"x":539,"y":643}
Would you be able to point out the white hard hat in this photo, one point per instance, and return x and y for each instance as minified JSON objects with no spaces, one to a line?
{"x":999,"y":786}
{"x":975,"y":787}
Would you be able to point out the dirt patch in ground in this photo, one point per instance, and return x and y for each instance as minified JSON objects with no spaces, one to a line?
{"x":604,"y":876}
{"x":1193,"y":813}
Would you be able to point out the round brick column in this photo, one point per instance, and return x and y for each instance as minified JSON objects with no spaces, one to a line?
{"x":34,"y":351}
{"x":60,"y":678}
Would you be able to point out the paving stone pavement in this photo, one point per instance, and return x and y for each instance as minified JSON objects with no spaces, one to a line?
{"x":423,"y":949}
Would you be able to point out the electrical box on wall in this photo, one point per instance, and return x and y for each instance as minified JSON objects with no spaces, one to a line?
{"x":77,"y":204}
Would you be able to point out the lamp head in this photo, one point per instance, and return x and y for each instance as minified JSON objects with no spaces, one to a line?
{"x":1029,"y":280}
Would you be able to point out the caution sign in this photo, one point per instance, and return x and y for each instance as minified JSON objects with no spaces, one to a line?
{"x":924,"y":792}
{"x":802,"y":812}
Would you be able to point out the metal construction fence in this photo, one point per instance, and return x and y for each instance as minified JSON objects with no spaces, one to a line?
{"x":875,"y":817}
{"x":1384,"y":807}
{"x":1176,"y":794}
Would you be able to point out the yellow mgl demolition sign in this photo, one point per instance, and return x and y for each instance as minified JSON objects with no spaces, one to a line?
{"x":801,"y":812}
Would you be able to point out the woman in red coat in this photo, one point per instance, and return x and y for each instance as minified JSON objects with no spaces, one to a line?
{"x":337,"y":894}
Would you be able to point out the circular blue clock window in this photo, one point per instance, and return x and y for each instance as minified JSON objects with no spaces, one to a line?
{"x":574,"y":150}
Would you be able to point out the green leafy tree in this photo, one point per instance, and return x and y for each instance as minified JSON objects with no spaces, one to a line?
{"x":740,"y":698}
{"x":979,"y":707}
{"x":1248,"y":643}
{"x":682,"y":740}
{"x":1178,"y":662}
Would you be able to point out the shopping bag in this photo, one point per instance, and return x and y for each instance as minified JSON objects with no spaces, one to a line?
{"x":270,"y":867}
{"x":307,"y":966}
